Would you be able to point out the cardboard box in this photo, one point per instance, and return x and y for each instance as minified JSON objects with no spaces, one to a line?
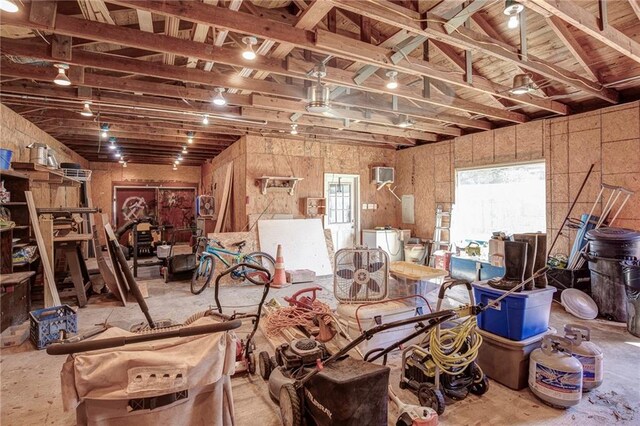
{"x":300,"y":276}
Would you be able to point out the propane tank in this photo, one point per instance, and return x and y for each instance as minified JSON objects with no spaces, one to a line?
{"x":588,"y":353}
{"x":554,"y":375}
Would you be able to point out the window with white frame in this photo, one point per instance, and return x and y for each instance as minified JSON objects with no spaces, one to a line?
{"x":509,"y":198}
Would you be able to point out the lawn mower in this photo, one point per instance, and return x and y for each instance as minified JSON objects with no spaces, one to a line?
{"x":312,"y":385}
{"x":245,"y":356}
{"x":444,"y":364}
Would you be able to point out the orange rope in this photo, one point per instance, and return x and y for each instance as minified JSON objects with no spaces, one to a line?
{"x":293,"y":316}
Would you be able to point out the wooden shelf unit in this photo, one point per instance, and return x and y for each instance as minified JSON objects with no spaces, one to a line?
{"x":20,"y":235}
{"x":315,"y":207}
{"x":39,"y":173}
{"x":278,"y":183}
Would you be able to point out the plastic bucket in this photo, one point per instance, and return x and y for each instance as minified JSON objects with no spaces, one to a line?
{"x":5,"y":159}
{"x":414,"y":252}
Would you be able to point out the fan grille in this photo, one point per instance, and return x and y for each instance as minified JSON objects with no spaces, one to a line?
{"x":360,"y":275}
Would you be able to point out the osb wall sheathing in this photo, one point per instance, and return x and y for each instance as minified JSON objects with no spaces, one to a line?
{"x":213,"y":179}
{"x":104,"y":176}
{"x":608,"y":138}
{"x":310,"y":160}
{"x":16,"y":133}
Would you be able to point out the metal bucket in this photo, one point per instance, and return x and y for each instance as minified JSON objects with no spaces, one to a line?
{"x":608,"y":247}
{"x":39,"y":153}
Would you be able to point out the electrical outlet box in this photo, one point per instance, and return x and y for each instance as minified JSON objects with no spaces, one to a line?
{"x":365,"y":206}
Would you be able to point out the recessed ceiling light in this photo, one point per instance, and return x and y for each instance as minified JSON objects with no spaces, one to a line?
{"x":392,"y":84}
{"x":124,"y":164}
{"x":86,"y":111}
{"x":219,"y":98}
{"x":294,"y":129}
{"x":118,"y":154}
{"x":104,"y":130}
{"x":248,"y":52}
{"x":205,"y":119}
{"x":184,"y":149}
{"x":190,"y":137}
{"x":8,"y":6}
{"x":62,"y":79}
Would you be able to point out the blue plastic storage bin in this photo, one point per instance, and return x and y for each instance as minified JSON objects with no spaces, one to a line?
{"x":47,"y":323}
{"x":516,"y":317}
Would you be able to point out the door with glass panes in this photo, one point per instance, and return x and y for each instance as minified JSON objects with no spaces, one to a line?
{"x":341,"y":193}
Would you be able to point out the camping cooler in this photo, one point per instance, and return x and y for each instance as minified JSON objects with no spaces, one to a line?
{"x":164,"y":382}
{"x":356,"y":318}
{"x":517,"y":316}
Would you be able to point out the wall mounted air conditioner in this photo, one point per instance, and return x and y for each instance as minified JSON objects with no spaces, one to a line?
{"x":382,"y":175}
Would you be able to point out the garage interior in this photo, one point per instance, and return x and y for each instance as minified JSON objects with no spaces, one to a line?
{"x":331,"y":212}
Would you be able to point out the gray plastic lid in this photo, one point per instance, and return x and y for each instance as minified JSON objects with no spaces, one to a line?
{"x":613,"y":234}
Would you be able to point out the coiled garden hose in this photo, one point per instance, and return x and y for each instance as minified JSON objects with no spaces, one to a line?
{"x":455,"y":348}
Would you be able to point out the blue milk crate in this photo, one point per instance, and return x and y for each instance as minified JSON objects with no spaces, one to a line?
{"x":517,"y":316}
{"x":46,"y":324}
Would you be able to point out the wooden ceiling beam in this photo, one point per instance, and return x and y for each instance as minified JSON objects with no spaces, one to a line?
{"x":582,"y":19}
{"x":280,"y":116}
{"x":62,"y":131}
{"x":95,"y":60}
{"x":564,"y":34}
{"x":465,"y":38}
{"x":325,"y":42}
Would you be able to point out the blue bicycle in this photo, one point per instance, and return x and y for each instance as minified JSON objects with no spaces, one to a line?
{"x":210,"y":249}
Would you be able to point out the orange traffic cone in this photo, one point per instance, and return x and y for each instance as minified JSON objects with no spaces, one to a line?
{"x":279,"y":278}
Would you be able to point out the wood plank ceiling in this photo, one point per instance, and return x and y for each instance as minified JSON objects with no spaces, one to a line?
{"x":149,"y":70}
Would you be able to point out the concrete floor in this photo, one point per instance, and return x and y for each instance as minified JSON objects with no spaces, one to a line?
{"x":31,"y":386}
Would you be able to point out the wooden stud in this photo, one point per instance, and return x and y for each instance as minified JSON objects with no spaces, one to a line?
{"x":51,"y":297}
{"x":43,"y":13}
{"x":61,"y":47}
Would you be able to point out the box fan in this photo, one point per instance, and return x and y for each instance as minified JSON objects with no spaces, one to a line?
{"x":361,"y":275}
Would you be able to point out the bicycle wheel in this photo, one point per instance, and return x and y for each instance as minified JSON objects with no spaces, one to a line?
{"x":263,"y":259}
{"x":203,"y":274}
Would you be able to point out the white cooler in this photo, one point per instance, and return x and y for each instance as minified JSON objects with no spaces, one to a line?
{"x":357,"y":317}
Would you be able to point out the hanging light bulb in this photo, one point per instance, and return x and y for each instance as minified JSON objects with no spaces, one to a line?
{"x":512,"y":9}
{"x":190,"y":137}
{"x":219,"y":100}
{"x":104,"y":130}
{"x":8,"y":6}
{"x":392,"y":84}
{"x":205,"y":119}
{"x":86,"y":111}
{"x":118,"y":154}
{"x":522,"y":84}
{"x":179,"y":157}
{"x":124,"y":164}
{"x":294,"y":129}
{"x":248,"y":52}
{"x":62,"y":79}
{"x":121,"y":161}
{"x":175,"y":167}
{"x":318,"y":100}
{"x":112,"y":143}
{"x":184,"y":149}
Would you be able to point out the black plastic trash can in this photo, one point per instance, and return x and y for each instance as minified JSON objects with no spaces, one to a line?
{"x":608,"y":247}
{"x":631,"y":272}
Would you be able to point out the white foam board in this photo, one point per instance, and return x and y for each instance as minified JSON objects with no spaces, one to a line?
{"x":302,"y":240}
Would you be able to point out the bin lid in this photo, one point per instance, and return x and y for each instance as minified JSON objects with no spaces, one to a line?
{"x":579,"y":304}
{"x":613,"y":234}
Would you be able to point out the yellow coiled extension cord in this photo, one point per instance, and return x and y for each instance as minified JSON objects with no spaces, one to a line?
{"x":447,"y":348}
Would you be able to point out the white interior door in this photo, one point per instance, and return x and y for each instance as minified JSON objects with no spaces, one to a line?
{"x":341,"y":192}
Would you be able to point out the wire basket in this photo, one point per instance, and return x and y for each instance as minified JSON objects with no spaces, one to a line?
{"x":83,"y":175}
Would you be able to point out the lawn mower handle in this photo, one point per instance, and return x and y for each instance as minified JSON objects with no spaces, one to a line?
{"x":245,"y":265}
{"x":113,"y":342}
{"x":433,"y":318}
